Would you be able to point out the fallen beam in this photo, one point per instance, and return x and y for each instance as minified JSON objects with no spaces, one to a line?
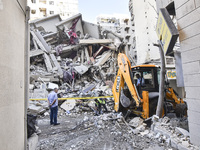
{"x":95,"y":41}
{"x":57,"y":65}
{"x":36,"y":53}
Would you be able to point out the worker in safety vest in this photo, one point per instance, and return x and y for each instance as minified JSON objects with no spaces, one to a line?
{"x":100,"y":102}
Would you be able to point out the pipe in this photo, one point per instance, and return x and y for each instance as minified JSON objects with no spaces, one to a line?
{"x":162,"y":83}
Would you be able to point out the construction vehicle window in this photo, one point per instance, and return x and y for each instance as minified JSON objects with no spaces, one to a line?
{"x":148,"y":79}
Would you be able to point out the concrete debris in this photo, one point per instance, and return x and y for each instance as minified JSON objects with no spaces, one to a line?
{"x":68,"y":105}
{"x":170,"y":131}
{"x":182,"y":131}
{"x":136,"y":122}
{"x":34,"y":109}
{"x":32,"y":142}
{"x":51,"y":86}
{"x":73,"y":55}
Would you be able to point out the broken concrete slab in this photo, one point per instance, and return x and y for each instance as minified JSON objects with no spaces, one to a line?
{"x":92,"y":29}
{"x":81,"y":69}
{"x":68,"y":23}
{"x":34,"y":53}
{"x":89,"y":88}
{"x":40,"y":93}
{"x":43,"y":42}
{"x":95,"y":41}
{"x":68,"y":104}
{"x":48,"y":23}
{"x":48,"y":62}
{"x":51,"y":86}
{"x":182,"y":131}
{"x":35,"y":109}
{"x":37,"y":40}
{"x":105,"y":56}
{"x":57,"y":65}
{"x":136,"y":122}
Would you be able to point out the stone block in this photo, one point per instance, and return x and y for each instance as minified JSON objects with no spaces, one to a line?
{"x":189,"y":19}
{"x":40,"y":93}
{"x":32,"y":142}
{"x":189,"y":31}
{"x":179,"y":3}
{"x":193,"y":104}
{"x":192,"y":48}
{"x":191,"y":81}
{"x":185,"y":9}
{"x":68,"y":105}
{"x":135,"y":122}
{"x":192,"y":67}
{"x":35,"y":109}
{"x":191,"y":92}
{"x":193,"y":116}
{"x":195,"y":139}
{"x":197,"y":3}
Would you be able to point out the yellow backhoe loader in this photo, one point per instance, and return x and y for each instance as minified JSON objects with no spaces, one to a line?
{"x":142,"y":101}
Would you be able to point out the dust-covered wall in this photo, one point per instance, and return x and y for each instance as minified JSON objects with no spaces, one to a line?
{"x":12,"y":48}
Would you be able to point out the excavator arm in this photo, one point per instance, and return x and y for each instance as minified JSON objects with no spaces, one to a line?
{"x":124,"y":75}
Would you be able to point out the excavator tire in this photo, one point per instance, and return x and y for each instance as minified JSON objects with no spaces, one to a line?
{"x":181,"y":110}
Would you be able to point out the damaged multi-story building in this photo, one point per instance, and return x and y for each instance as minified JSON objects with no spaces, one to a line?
{"x":45,"y":8}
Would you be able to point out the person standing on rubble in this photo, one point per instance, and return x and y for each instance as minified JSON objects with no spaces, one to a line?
{"x":53,"y":105}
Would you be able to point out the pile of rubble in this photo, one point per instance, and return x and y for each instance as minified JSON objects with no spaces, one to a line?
{"x":112,"y":131}
{"x":71,"y":54}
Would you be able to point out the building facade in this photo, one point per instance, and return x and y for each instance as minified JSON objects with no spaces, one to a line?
{"x":123,"y":26}
{"x":13,"y":74}
{"x":187,"y":13}
{"x":144,"y":18}
{"x":45,"y":8}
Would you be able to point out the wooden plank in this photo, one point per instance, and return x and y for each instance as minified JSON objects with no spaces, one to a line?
{"x":90,"y":50}
{"x":57,"y":65}
{"x":99,"y":51}
{"x":47,"y":62}
{"x":95,"y":41}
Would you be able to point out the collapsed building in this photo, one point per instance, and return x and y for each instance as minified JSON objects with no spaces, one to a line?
{"x":71,"y":54}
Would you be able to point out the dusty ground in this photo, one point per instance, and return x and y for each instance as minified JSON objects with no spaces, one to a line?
{"x":88,"y":132}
